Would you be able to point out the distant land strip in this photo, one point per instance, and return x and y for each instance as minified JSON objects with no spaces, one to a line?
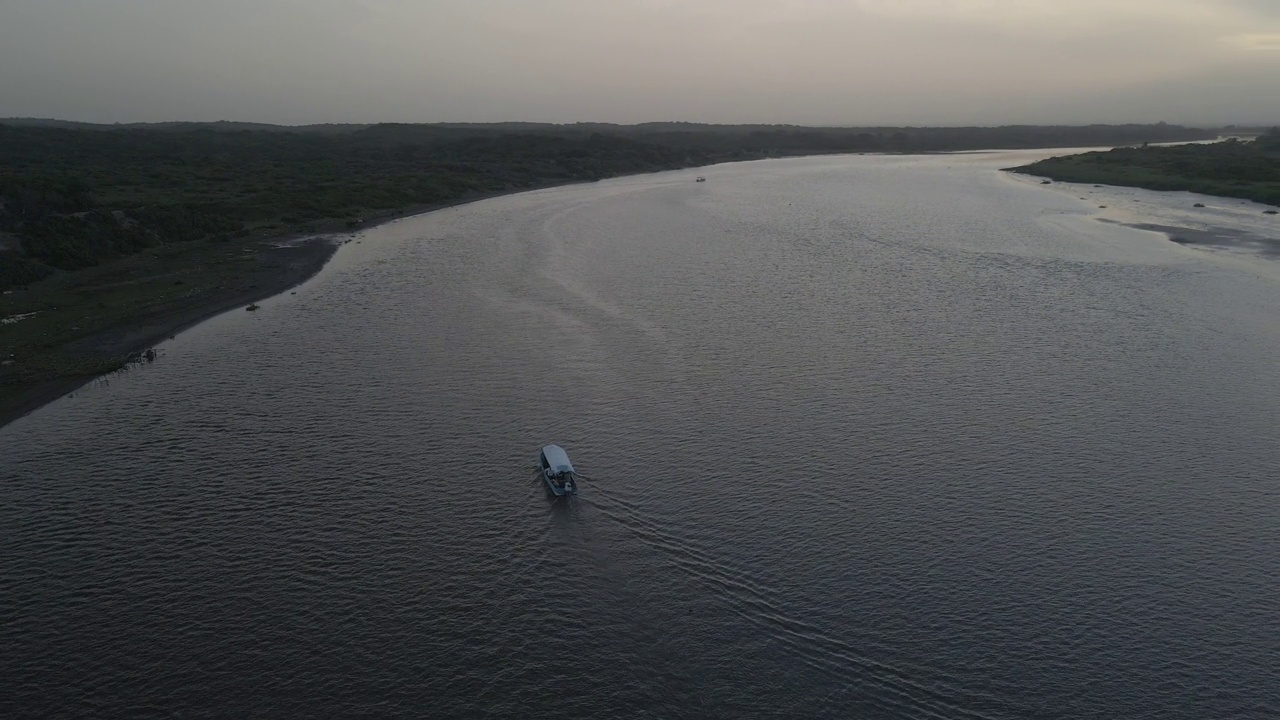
{"x":1249,"y":170}
{"x":112,"y":237}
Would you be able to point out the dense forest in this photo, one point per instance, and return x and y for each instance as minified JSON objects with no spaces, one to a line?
{"x":73,"y":195}
{"x":1232,"y":168}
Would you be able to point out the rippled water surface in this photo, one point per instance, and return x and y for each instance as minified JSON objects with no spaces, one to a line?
{"x":864,"y":437}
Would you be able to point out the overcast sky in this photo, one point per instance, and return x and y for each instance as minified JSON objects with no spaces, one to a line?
{"x":832,"y":62}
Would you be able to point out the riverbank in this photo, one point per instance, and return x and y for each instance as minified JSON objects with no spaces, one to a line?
{"x":1244,"y":170}
{"x":65,"y":363}
{"x":112,"y":240}
{"x":266,"y":267}
{"x":1232,"y":230}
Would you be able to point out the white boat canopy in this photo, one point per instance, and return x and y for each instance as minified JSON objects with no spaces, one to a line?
{"x":557,"y":459}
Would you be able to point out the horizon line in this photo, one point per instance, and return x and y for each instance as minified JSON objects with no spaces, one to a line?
{"x":1197,"y":125}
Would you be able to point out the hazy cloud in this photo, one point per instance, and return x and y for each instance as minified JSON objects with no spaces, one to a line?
{"x":1257,"y":42}
{"x":801,"y":61}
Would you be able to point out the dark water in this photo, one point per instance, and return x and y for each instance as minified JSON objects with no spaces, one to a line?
{"x":865,"y":437}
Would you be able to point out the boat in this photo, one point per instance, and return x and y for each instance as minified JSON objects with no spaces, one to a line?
{"x":700,"y":179}
{"x":557,"y":471}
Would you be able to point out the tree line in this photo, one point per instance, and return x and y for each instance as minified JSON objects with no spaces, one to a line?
{"x":74,"y":195}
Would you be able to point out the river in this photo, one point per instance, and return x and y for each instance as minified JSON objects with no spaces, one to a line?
{"x":862,"y":436}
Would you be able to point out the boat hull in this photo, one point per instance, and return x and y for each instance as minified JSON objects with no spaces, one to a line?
{"x":557,"y":471}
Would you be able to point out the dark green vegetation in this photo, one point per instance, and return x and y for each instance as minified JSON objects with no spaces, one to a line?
{"x":1249,"y":170}
{"x":112,"y":236}
{"x":74,"y":196}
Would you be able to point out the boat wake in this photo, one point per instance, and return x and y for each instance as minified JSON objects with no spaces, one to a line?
{"x":869,"y":681}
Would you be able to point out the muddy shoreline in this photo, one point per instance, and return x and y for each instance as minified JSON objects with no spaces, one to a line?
{"x":278,"y":270}
{"x":283,"y":263}
{"x":1214,"y":238}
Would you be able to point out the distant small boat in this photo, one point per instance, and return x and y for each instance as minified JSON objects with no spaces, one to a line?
{"x":557,"y":471}
{"x":700,"y":179}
